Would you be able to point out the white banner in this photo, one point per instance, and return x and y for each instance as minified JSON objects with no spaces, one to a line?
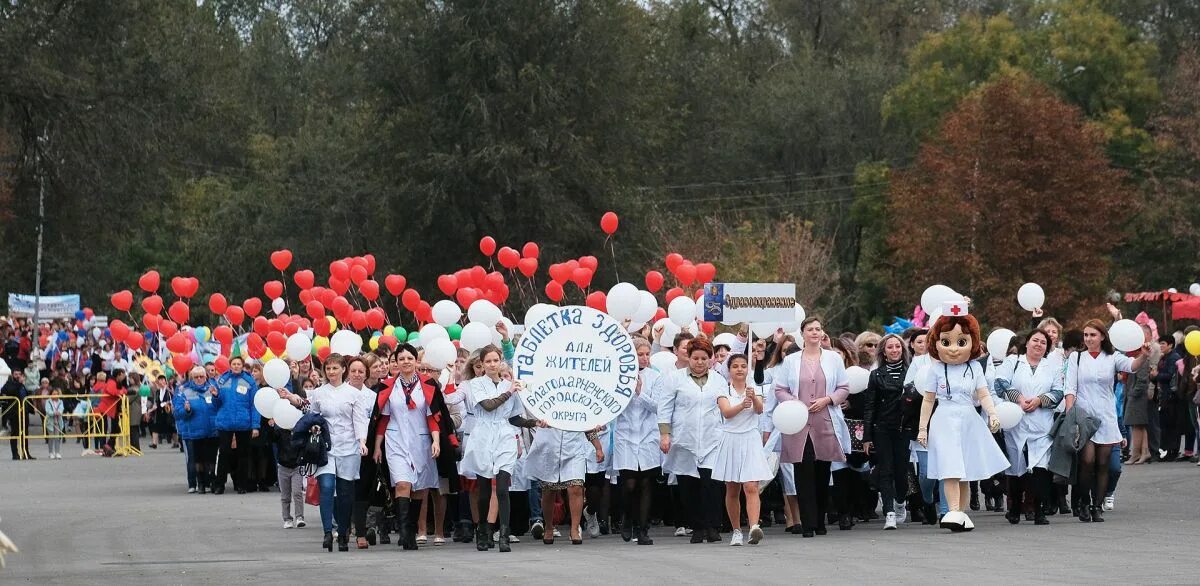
{"x":51,"y":306}
{"x":578,"y":366}
{"x":749,"y":302}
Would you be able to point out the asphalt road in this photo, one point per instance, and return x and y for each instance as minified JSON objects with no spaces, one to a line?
{"x":129,"y":521}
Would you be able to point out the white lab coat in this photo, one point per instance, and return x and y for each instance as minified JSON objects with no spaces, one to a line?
{"x":1091,"y":380}
{"x":695,"y":421}
{"x":635,"y":443}
{"x":492,"y":445}
{"x":1033,"y":432}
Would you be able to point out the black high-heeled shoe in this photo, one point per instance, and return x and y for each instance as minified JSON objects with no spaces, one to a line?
{"x":1097,"y":514}
{"x":644,"y":537}
{"x":1039,"y":518}
{"x":1013,"y":517}
{"x":327,"y":543}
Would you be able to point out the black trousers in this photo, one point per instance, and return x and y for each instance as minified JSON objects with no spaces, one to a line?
{"x":14,"y":429}
{"x":233,"y":460}
{"x":703,"y":498}
{"x":812,"y":489}
{"x":891,"y":466}
{"x":1040,"y":486}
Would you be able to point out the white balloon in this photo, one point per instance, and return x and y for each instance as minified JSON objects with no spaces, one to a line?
{"x":859,"y":377}
{"x":1194,"y":289}
{"x":647,"y":307}
{"x":5,"y":372}
{"x":484,"y":311}
{"x":277,"y":305}
{"x":432,"y":332}
{"x":664,"y":361}
{"x":475,"y":336}
{"x":763,"y":330}
{"x":97,"y":332}
{"x":1126,"y":335}
{"x":669,"y":330}
{"x":933,"y":297}
{"x":536,"y":312}
{"x":1030,"y":296}
{"x":264,"y":400}
{"x":285,"y":415}
{"x":276,"y":373}
{"x":699,"y":310}
{"x":1172,"y":290}
{"x":681,"y":311}
{"x":1009,"y":414}
{"x":635,"y":326}
{"x":725,"y":339}
{"x":446,"y":313}
{"x":346,"y":343}
{"x":997,"y":343}
{"x":440,"y":352}
{"x":789,"y":326}
{"x":299,"y":346}
{"x":790,"y":417}
{"x":623,"y":301}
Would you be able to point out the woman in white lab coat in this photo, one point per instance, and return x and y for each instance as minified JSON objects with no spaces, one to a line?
{"x":491,"y":451}
{"x":1031,"y":379}
{"x":558,"y":460}
{"x":635,"y":449}
{"x":1090,"y":378}
{"x":689,"y":430}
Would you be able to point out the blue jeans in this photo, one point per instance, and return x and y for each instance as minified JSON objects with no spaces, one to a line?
{"x":1114,"y":471}
{"x":337,"y":501}
{"x":928,"y":484}
{"x":535,"y":501}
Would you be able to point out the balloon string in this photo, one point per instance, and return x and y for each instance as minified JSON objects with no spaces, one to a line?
{"x":612,"y":248}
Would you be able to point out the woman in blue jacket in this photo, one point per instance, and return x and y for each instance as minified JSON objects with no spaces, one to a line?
{"x":237,"y":421}
{"x":194,"y":416}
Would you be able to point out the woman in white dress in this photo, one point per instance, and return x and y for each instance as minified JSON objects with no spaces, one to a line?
{"x":491,"y":451}
{"x":1031,"y":379}
{"x":635,"y":449}
{"x":689,"y":429}
{"x":1090,"y":378}
{"x":741,"y":463}
{"x":558,"y":460}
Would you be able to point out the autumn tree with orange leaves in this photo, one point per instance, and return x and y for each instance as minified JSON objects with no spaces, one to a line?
{"x":1014,"y":188}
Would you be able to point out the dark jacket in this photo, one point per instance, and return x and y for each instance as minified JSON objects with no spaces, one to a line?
{"x":285,"y":452}
{"x":312,"y":449}
{"x":1071,"y":432}
{"x":1167,"y":379}
{"x":883,"y":402}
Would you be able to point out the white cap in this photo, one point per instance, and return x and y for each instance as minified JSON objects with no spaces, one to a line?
{"x":957,"y":308}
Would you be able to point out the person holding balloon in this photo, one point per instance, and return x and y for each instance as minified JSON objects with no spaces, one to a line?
{"x":1090,"y":380}
{"x":237,"y":421}
{"x":1030,"y":381}
{"x":817,"y":378}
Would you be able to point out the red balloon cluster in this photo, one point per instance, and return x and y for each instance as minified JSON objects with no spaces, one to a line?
{"x":685,"y":271}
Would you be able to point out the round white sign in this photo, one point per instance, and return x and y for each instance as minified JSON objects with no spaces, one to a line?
{"x":578,"y":366}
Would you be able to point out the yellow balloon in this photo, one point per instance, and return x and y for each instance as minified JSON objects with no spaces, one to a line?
{"x":267,"y":356}
{"x":320,"y":342}
{"x":332,"y":323}
{"x":1192,"y":343}
{"x":389,"y":330}
{"x":374,"y":343}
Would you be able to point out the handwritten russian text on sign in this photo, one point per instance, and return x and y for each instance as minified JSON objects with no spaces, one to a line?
{"x":749,"y":302}
{"x":578,"y":366}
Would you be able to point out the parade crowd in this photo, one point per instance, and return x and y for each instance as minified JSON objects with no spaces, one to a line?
{"x":390,"y":445}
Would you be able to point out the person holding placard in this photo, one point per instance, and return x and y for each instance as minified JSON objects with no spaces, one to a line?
{"x":1091,"y":376}
{"x":689,"y":427}
{"x":741,"y":463}
{"x":635,"y":449}
{"x":1030,"y":379}
{"x":816,"y":377}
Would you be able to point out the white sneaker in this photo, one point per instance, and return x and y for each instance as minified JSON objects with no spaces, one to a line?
{"x":192,"y":490}
{"x":511,"y":539}
{"x":736,"y":540}
{"x":680,"y":532}
{"x":901,"y":512}
{"x":1110,"y":502}
{"x":890,"y":522}
{"x":593,"y":526}
{"x":288,"y":524}
{"x":756,"y":534}
{"x":300,"y":522}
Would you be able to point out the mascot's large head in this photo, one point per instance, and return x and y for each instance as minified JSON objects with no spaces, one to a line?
{"x":954,"y":337}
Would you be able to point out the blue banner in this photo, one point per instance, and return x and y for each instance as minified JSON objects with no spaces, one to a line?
{"x":50,"y":306}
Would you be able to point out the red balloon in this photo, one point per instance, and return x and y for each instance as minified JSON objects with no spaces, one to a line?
{"x":560,"y":272}
{"x":395,"y":284}
{"x":530,"y":250}
{"x":179,"y":343}
{"x":369,"y":289}
{"x":554,"y":291}
{"x":448,"y":284}
{"x":369,"y":263}
{"x":281,"y":259}
{"x":597,"y":300}
{"x":275,"y":325}
{"x":582,"y":277}
{"x":255,"y":346}
{"x":291,"y":328}
{"x":359,"y":320}
{"x":182,"y":363}
{"x":608,"y":223}
{"x":88,"y":313}
{"x":528,"y":266}
{"x":410,"y":299}
{"x":589,"y":262}
{"x":699,"y":294}
{"x":493,"y":280}
{"x":424,"y":313}
{"x":709,"y":327}
{"x":304,"y":279}
{"x":252,"y":306}
{"x":122,"y":300}
{"x":326,"y":297}
{"x":118,"y":329}
{"x":217,"y":303}
{"x":388,"y":340}
{"x":673,"y":260}
{"x":185,"y":287}
{"x":273,"y":289}
{"x":261,"y":326}
{"x":134,"y":340}
{"x":487,"y":245}
{"x":235,"y":315}
{"x":324,"y":352}
{"x":654,"y":281}
{"x":376,"y":318}
{"x":659,"y":314}
{"x":686,"y":273}
{"x":673,"y":293}
{"x":149,"y":282}
{"x":478,"y":275}
{"x":340,"y":286}
{"x":151,"y":322}
{"x":321,"y":327}
{"x":705,"y":273}
{"x":152,"y":304}
{"x":358,"y":273}
{"x":277,"y":342}
{"x":179,"y":312}
{"x":221,"y":364}
{"x":223,"y":334}
{"x":466,"y":296}
{"x":167,"y":328}
{"x":339,"y":269}
{"x":508,"y":257}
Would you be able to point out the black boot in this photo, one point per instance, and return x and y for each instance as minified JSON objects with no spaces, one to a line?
{"x":410,"y":530}
{"x":627,"y":530}
{"x":1039,"y":515}
{"x":974,"y":496}
{"x":401,"y":505}
{"x":344,"y":539}
{"x":482,"y":534}
{"x":1082,"y":510}
{"x":1097,"y":516}
{"x":327,"y":543}
{"x":845,"y":523}
{"x":930,"y":513}
{"x":504,"y":533}
{"x":644,"y":536}
{"x":383,"y":527}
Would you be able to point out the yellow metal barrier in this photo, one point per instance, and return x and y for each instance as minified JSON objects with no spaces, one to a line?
{"x":7,"y":406}
{"x":93,"y":423}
